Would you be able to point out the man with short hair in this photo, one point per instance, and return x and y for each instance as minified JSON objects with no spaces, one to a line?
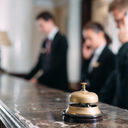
{"x":119,"y":9}
{"x":53,"y":57}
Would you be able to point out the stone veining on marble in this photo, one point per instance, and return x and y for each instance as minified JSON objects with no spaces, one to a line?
{"x":41,"y":107}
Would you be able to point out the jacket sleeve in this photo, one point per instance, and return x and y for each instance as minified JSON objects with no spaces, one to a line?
{"x":125,"y":79}
{"x":35,"y":69}
{"x":58,"y":59}
{"x":107,"y":92}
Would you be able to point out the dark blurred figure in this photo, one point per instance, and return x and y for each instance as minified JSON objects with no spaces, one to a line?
{"x":119,"y":9}
{"x":99,"y":61}
{"x":53,"y":55}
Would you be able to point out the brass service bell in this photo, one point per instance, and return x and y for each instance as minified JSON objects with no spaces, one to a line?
{"x":82,"y":107}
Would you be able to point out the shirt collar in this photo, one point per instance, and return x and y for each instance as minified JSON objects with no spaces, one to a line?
{"x":99,"y":50}
{"x":52,"y":34}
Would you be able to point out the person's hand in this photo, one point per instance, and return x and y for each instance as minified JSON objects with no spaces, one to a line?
{"x":34,"y":81}
{"x":123,"y":33}
{"x":87,"y":51}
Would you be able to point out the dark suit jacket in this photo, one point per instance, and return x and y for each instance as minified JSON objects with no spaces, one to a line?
{"x":121,"y":97}
{"x":98,"y":77}
{"x":53,"y":64}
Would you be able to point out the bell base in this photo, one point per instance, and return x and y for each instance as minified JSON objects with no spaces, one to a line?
{"x":81,"y":118}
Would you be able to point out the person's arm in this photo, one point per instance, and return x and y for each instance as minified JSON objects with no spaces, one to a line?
{"x":125,"y":79}
{"x":35,"y":69}
{"x":58,"y":59}
{"x":107,"y":92}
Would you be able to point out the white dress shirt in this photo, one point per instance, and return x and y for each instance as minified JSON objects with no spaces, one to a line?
{"x":52,"y":34}
{"x":95,"y":57}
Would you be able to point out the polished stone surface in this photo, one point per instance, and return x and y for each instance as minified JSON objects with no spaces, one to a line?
{"x":41,"y":107}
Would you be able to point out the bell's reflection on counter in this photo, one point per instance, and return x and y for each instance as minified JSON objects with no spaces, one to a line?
{"x":82,"y":107}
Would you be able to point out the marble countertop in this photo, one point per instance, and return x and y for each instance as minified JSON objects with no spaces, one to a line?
{"x":41,"y":107}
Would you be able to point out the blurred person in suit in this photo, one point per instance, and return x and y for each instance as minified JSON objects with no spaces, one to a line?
{"x":53,"y":55}
{"x":99,"y":61}
{"x":119,"y":9}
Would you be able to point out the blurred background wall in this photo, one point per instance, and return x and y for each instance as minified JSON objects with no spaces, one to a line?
{"x":17,"y":17}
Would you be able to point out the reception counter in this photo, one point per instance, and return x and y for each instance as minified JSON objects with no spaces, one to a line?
{"x":24,"y":105}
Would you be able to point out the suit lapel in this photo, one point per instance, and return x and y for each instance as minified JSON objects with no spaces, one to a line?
{"x":55,"y":38}
{"x":54,"y":41}
{"x":43,"y":49}
{"x":100,"y":60}
{"x":101,"y":57}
